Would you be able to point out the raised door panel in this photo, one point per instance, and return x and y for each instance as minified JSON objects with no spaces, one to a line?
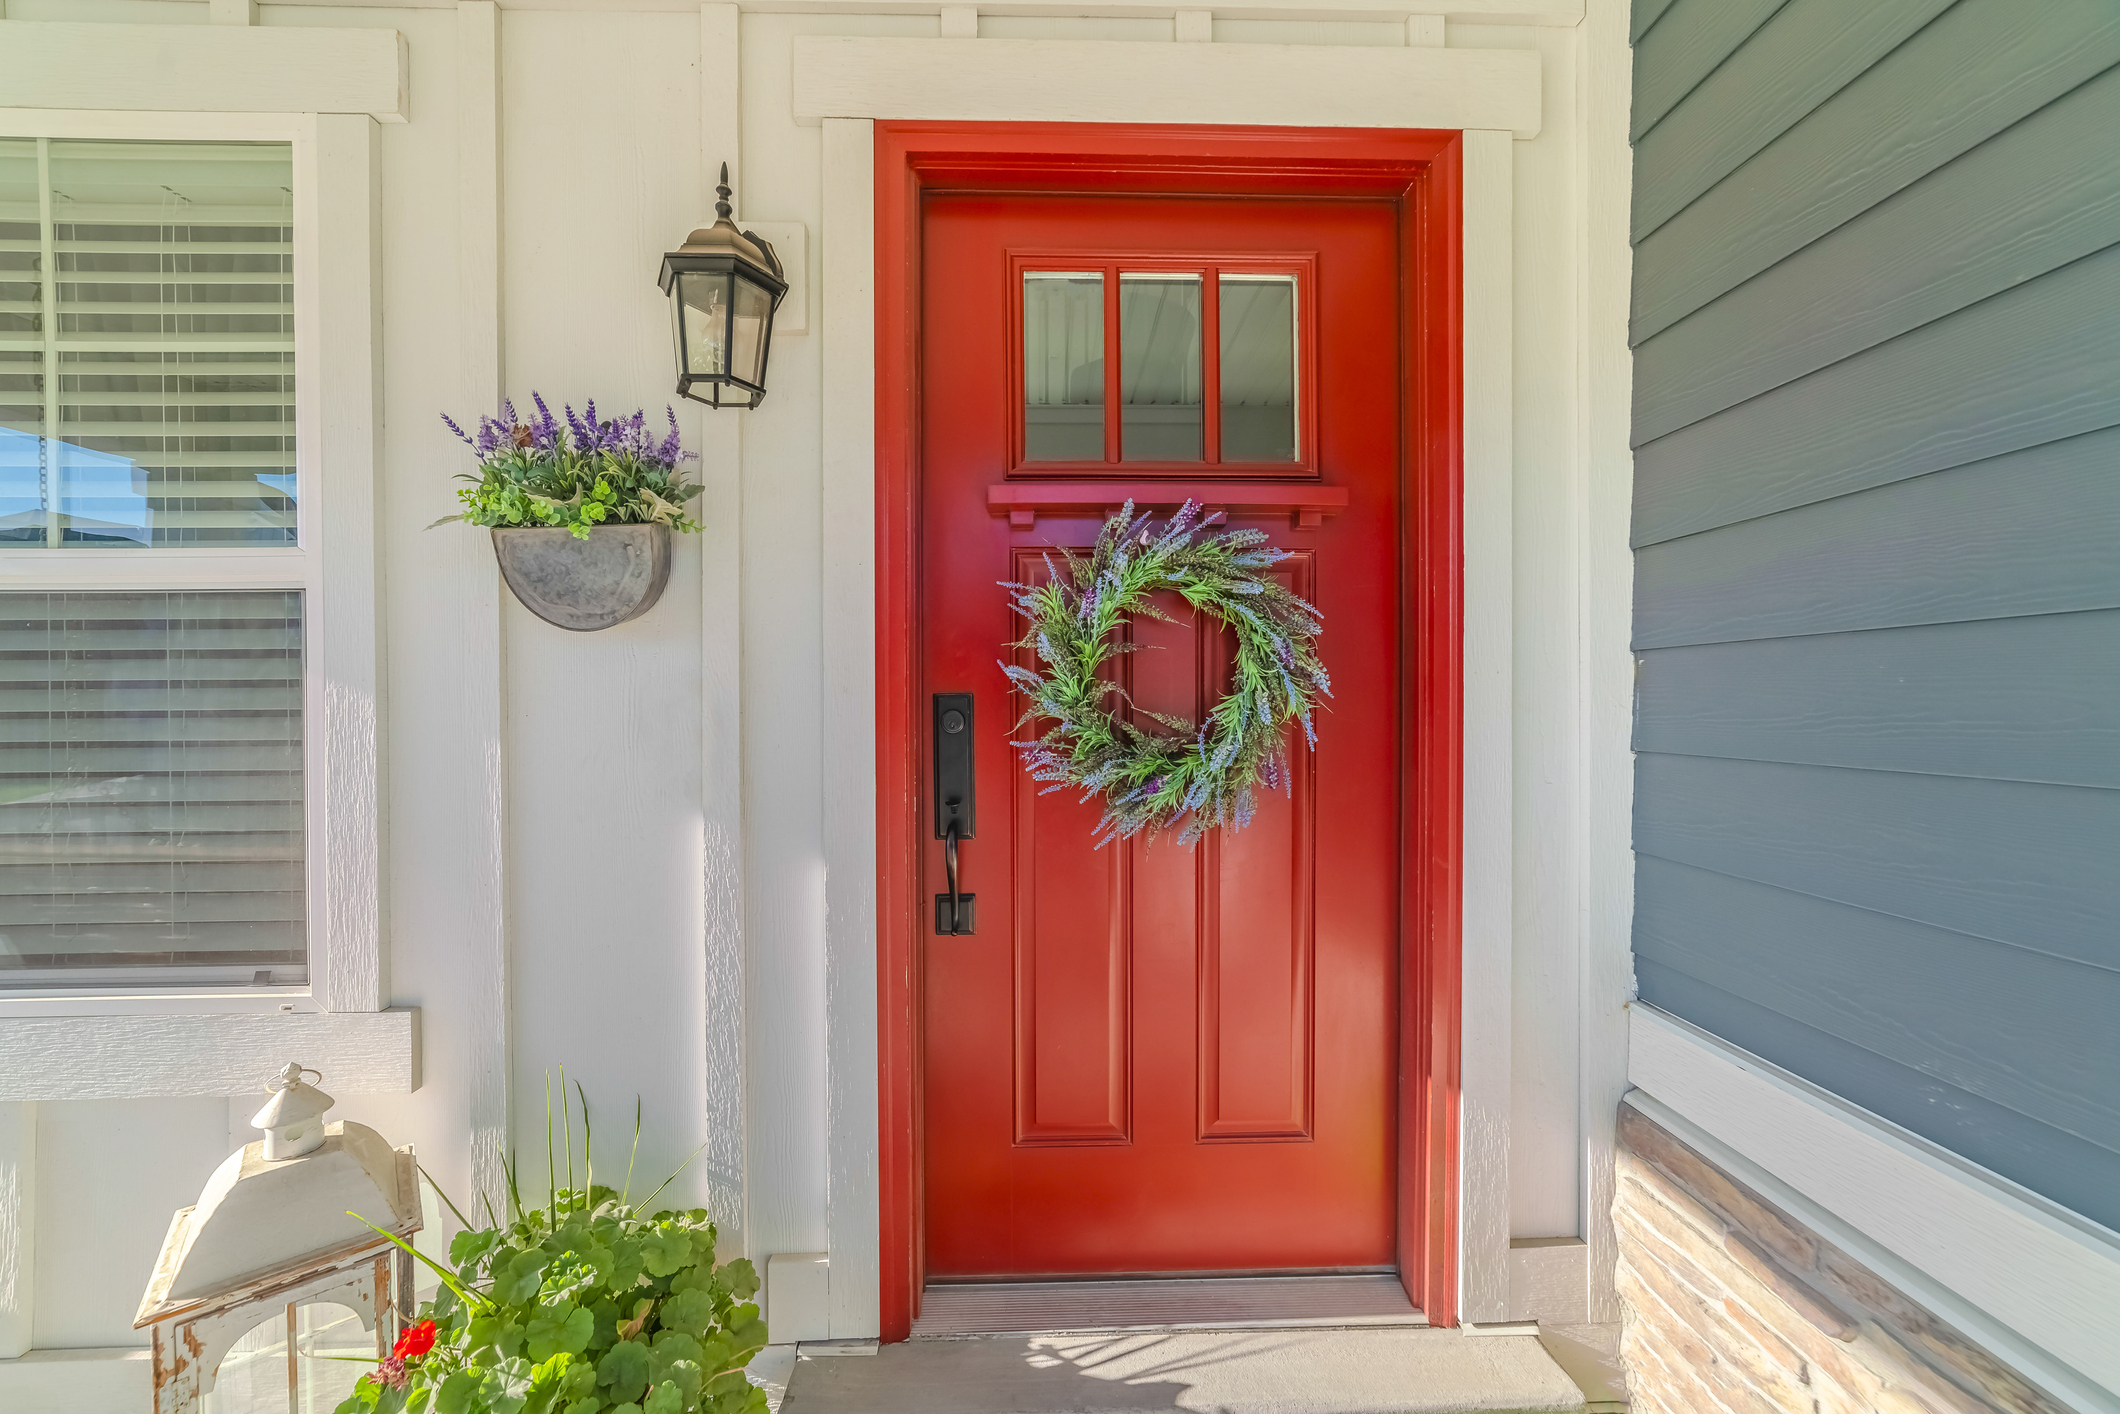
{"x":1071,"y":940}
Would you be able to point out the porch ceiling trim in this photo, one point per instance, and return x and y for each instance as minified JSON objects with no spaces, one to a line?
{"x":1561,"y":13}
{"x":1106,"y":81}
{"x":2034,"y":1283}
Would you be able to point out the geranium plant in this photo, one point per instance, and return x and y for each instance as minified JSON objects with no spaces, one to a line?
{"x":589,"y":1305}
{"x":574,"y":474}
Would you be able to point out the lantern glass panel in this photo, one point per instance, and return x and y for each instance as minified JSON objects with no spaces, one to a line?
{"x":704,"y":297}
{"x":754,"y":317}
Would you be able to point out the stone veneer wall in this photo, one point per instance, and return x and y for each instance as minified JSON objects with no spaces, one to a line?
{"x":1732,"y":1305}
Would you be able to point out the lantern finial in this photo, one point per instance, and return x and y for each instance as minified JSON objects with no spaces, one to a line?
{"x":293,"y":1119}
{"x":722,"y":209}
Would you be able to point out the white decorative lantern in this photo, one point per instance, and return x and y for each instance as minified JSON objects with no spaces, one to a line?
{"x":272,"y":1232}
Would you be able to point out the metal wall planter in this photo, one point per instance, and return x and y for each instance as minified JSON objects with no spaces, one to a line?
{"x":616,"y":574}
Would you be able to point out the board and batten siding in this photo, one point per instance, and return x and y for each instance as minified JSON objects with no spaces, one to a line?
{"x":1876,"y":329}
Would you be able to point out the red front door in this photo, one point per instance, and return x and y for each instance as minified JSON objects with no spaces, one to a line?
{"x":1149,"y":1058}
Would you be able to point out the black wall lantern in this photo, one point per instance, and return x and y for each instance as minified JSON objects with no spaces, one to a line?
{"x":724,"y":285}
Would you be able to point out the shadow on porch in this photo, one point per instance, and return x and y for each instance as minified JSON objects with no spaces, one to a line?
{"x":1311,"y":1371}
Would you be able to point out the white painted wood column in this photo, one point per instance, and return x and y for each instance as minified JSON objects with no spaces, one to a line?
{"x":1604,"y":92}
{"x":721,"y":691}
{"x":481,"y":661}
{"x":847,"y":306}
{"x":18,"y":1226}
{"x":343,"y":215}
{"x":1488,"y":917}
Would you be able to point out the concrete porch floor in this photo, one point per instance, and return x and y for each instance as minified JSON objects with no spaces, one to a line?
{"x":1311,"y":1371}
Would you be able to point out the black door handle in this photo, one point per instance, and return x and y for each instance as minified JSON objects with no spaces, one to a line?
{"x":956,"y":800}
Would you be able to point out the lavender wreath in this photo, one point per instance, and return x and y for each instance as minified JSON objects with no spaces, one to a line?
{"x":1185,"y":776}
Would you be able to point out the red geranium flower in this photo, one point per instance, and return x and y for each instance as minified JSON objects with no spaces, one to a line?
{"x":415,"y":1342}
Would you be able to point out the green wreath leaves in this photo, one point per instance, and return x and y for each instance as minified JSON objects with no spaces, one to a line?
{"x":1192,"y":777}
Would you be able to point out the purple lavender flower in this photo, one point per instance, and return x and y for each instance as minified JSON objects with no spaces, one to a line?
{"x":544,"y":433}
{"x":671,"y":447}
{"x":462,"y":435}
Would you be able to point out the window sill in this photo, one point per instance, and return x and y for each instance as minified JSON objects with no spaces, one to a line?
{"x":248,"y":1001}
{"x":90,"y":1049}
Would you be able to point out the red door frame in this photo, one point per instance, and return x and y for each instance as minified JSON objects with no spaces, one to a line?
{"x":1421,"y":172}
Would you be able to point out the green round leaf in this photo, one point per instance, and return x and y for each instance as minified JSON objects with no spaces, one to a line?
{"x":666,"y":1249}
{"x":564,"y":1328}
{"x":624,"y":1370}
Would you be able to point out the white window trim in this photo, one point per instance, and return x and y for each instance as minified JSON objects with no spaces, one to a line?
{"x":188,"y":1041}
{"x":2033,"y":1282}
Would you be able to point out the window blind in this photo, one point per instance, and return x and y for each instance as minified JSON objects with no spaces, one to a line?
{"x":151,"y":824}
{"x":146,"y":344}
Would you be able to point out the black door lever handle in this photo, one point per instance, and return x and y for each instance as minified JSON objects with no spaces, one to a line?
{"x":953,"y":910}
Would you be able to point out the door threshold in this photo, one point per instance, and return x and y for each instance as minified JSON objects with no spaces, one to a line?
{"x":1192,"y":1304}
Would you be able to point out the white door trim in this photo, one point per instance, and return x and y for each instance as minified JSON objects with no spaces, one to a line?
{"x":847,"y":326}
{"x":1106,"y":81}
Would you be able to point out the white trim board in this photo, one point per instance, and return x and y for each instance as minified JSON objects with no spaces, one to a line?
{"x":1604,"y":176}
{"x":94,"y":1380}
{"x":143,"y":1057}
{"x":1559,"y":13}
{"x":848,"y":400}
{"x":2036,"y":1284}
{"x":847,"y":238}
{"x":18,"y":1229}
{"x":1487,"y":893}
{"x":481,"y":727}
{"x":726,"y":1163}
{"x":1106,"y":81}
{"x":225,"y":68}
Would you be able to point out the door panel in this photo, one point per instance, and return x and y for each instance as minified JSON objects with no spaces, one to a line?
{"x":1152,"y":1058}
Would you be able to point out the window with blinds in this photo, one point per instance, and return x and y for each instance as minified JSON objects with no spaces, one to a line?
{"x":146,"y":344}
{"x":151,"y":825}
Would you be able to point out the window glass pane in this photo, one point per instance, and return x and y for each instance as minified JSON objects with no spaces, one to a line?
{"x":151,"y":788}
{"x":1063,"y":367}
{"x":21,"y":342}
{"x":1258,"y":316}
{"x":1159,"y":368}
{"x":146,"y":344}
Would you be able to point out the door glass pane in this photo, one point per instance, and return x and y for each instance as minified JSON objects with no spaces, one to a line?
{"x":1159,"y":368}
{"x":151,"y":824}
{"x":1258,"y":368}
{"x":146,"y":344}
{"x":1063,"y":367}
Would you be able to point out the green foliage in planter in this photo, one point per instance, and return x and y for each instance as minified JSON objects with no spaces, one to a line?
{"x":575,"y":475}
{"x":586,"y":1306}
